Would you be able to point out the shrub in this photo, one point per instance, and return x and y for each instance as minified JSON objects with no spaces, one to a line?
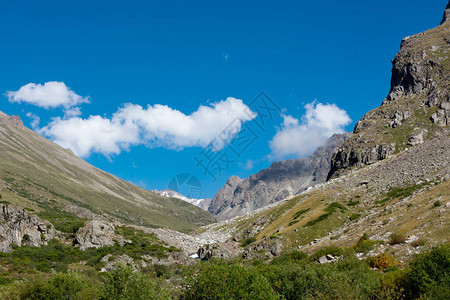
{"x":290,"y":257}
{"x":397,"y":238}
{"x":349,"y":279}
{"x":248,"y":241}
{"x":383,"y":261}
{"x":301,"y":212}
{"x":419,"y":242}
{"x":437,"y":203}
{"x":293,"y":222}
{"x":127,"y":284}
{"x":364,"y":244}
{"x":219,"y":280}
{"x":353,"y":203}
{"x":354,"y":217}
{"x":68,"y":286}
{"x":330,"y":209}
{"x":26,"y":238}
{"x":429,"y":274}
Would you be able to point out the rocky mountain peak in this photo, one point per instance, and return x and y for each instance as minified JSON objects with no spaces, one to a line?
{"x":416,"y":108}
{"x":280,"y":181}
{"x":10,"y":120}
{"x":446,"y":14}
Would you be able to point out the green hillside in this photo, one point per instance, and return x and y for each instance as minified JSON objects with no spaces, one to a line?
{"x":37,"y":174}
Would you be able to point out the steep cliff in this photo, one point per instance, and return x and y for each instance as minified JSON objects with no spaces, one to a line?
{"x":278,"y":182}
{"x":416,"y":108}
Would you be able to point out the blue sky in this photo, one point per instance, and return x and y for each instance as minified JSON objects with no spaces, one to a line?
{"x":183,"y":58}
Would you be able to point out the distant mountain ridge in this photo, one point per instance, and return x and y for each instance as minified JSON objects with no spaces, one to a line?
{"x":40,"y":175}
{"x":280,"y":181}
{"x":202,"y":203}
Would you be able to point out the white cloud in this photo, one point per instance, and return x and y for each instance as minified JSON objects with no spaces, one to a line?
{"x":50,"y":95}
{"x":302,"y":137}
{"x":154,"y":126}
{"x":35,"y":120}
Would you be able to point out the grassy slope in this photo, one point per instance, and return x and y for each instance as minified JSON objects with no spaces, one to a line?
{"x":41,"y":175}
{"x":407,"y":208}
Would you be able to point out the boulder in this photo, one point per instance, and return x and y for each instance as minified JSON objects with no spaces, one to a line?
{"x":19,"y":227}
{"x":97,"y":233}
{"x":267,"y":248}
{"x":209,"y":251}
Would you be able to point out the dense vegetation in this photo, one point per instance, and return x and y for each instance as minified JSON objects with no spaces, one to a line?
{"x":293,"y":275}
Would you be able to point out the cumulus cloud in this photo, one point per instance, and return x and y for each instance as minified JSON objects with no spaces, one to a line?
{"x":153,"y":126}
{"x":302,"y":137}
{"x":49,"y":95}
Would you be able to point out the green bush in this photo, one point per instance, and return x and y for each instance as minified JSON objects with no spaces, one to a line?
{"x":124,"y":283}
{"x":429,"y":274}
{"x":354,"y":217}
{"x":248,"y":241}
{"x":330,"y":209}
{"x":419,"y":242}
{"x":293,"y":222}
{"x":364,"y":244}
{"x":290,"y":257}
{"x":349,"y":279}
{"x":437,"y":203}
{"x":397,"y":238}
{"x":300,"y":212}
{"x":58,"y":286}
{"x":219,"y":280}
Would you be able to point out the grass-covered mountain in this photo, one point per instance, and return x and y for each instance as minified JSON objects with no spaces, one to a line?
{"x":41,"y":176}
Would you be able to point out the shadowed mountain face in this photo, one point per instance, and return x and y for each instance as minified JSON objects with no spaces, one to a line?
{"x":281,"y":180}
{"x":417,"y":107}
{"x":43,"y":176}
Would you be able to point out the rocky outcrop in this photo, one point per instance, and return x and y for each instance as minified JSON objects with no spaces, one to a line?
{"x":19,"y":227}
{"x":10,"y":120}
{"x":216,"y":250}
{"x":446,"y":14}
{"x":418,"y":102}
{"x":97,"y":233}
{"x":280,"y":181}
{"x":267,"y":248}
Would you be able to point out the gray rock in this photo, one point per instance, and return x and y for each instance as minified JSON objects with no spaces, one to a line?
{"x":209,"y":251}
{"x":323,"y":260}
{"x":417,"y":137}
{"x":17,"y":226}
{"x":97,"y":233}
{"x":111,"y":262}
{"x":441,"y":117}
{"x":446,"y":16}
{"x":266,"y":248}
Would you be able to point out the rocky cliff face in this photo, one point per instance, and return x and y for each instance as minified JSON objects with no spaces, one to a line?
{"x":278,"y":182}
{"x":19,"y":227}
{"x":416,"y":108}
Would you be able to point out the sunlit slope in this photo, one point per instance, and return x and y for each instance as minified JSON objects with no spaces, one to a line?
{"x":40,"y":174}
